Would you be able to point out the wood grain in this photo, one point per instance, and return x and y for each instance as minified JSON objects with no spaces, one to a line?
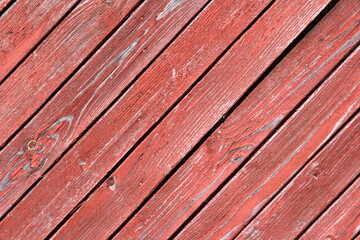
{"x":312,"y":190}
{"x":202,"y":107}
{"x":279,"y":159}
{"x":22,"y":27}
{"x":134,"y":113}
{"x":341,"y":220}
{"x":55,"y":59}
{"x":94,"y":87}
{"x":4,"y":4}
{"x":304,"y":67}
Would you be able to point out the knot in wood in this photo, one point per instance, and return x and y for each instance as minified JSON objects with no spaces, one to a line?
{"x":31,"y":145}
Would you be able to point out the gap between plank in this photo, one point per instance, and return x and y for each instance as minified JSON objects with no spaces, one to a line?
{"x":112,"y":170}
{"x":67,"y":13}
{"x":51,"y":96}
{"x":229,"y":112}
{"x":104,"y":111}
{"x":357,"y":235}
{"x":298,"y":39}
{"x":300,"y":169}
{"x":221,"y":186}
{"x":329,"y":205}
{"x":137,"y":5}
{"x":5,"y":9}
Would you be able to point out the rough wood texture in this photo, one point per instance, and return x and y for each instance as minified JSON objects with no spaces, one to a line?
{"x":273,"y":165}
{"x":341,"y":220}
{"x":23,"y":25}
{"x":3,"y":4}
{"x":134,"y":137}
{"x":95,"y":86}
{"x":312,"y":190}
{"x":304,"y":67}
{"x":134,"y":113}
{"x":203,"y":106}
{"x":55,"y":59}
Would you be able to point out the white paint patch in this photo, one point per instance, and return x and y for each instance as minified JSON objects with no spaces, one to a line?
{"x":174,"y":74}
{"x":112,"y":187}
{"x":82,"y":163}
{"x":146,"y":30}
{"x":169,"y":8}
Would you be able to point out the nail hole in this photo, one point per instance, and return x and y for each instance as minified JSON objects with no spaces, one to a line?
{"x":111,"y":183}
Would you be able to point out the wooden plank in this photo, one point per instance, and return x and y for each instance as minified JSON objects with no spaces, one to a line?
{"x":55,"y":59}
{"x":341,"y":220}
{"x":131,"y":124}
{"x":4,"y":4}
{"x":304,"y":67}
{"x":274,"y":164}
{"x":97,"y":84}
{"x":158,"y":153}
{"x":22,"y":27}
{"x":312,"y":190}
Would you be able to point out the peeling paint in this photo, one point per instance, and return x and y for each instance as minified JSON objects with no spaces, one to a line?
{"x":169,"y":8}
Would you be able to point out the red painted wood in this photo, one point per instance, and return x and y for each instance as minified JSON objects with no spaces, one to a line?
{"x":55,"y":59}
{"x":156,"y":156}
{"x":140,"y":108}
{"x":96,"y":85}
{"x":305,"y":66}
{"x":312,"y":190}
{"x":341,"y":220}
{"x":22,"y":27}
{"x":252,"y":187}
{"x":3,"y":4}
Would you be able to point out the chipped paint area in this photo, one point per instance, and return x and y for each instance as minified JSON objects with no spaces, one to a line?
{"x":169,"y":8}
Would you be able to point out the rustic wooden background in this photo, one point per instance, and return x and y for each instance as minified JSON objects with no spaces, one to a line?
{"x":179,"y":119}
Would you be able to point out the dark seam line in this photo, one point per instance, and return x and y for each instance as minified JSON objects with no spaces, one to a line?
{"x":72,"y":74}
{"x":328,"y":206}
{"x":314,"y":154}
{"x":43,"y":105}
{"x":274,"y":64}
{"x":72,"y":212}
{"x":7,"y":7}
{"x":155,"y":124}
{"x":356,"y":235}
{"x":67,"y":13}
{"x":168,"y":112}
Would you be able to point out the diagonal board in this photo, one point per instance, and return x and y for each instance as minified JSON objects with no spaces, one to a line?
{"x":24,"y":25}
{"x":35,"y":80}
{"x":155,"y":157}
{"x":257,"y":116}
{"x":5,"y":5}
{"x":94,"y":87}
{"x":321,"y":181}
{"x":152,"y":94}
{"x":341,"y":220}
{"x":265,"y":173}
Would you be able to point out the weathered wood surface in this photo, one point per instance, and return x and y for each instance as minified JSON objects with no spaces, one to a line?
{"x":304,"y":67}
{"x":55,"y":59}
{"x":139,"y":107}
{"x":106,"y":126}
{"x":312,"y":190}
{"x":145,"y":168}
{"x":4,"y":4}
{"x":24,"y":25}
{"x":279,"y":159}
{"x":341,"y":220}
{"x":94,"y":87}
